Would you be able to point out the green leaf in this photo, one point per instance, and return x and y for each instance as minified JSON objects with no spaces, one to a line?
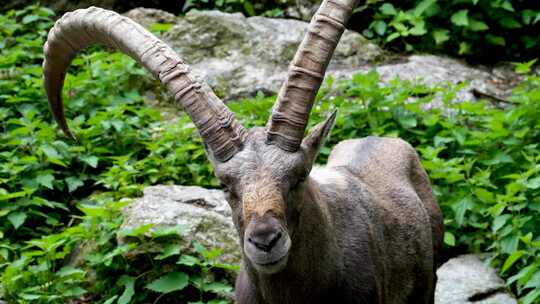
{"x":464,"y":48}
{"x":188,"y":260}
{"x":507,"y":6}
{"x":29,"y":18}
{"x":388,"y":9}
{"x":534,"y":281}
{"x":509,"y":244}
{"x":460,"y":18}
{"x":392,"y":36}
{"x":30,"y":296}
{"x":509,"y":23}
{"x":17,"y":219}
{"x":418,"y":30}
{"x":460,"y":208}
{"x":525,"y":67}
{"x":73,"y":183}
{"x":484,"y":195}
{"x":380,"y":27}
{"x":511,"y":260}
{"x":93,"y":211}
{"x":407,"y":121}
{"x":477,"y":26}
{"x":110,"y":300}
{"x":169,"y":283}
{"x":92,"y":161}
{"x":129,"y":289}
{"x":499,"y":157}
{"x":68,"y":271}
{"x":168,"y":251}
{"x":160,"y":27}
{"x":135,"y":231}
{"x":74,"y":292}
{"x":449,"y":239}
{"x":162,"y":231}
{"x":531,"y":297}
{"x":248,"y":7}
{"x":45,"y":180}
{"x":50,"y":151}
{"x":441,"y":36}
{"x":499,"y":221}
{"x":423,"y":6}
{"x":533,"y":183}
{"x":495,"y":40}
{"x":217,"y":287}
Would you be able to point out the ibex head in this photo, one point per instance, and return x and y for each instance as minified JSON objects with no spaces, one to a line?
{"x":265,"y":187}
{"x":262,"y":170}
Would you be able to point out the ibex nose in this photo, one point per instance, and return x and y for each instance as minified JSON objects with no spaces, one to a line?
{"x":264,"y":240}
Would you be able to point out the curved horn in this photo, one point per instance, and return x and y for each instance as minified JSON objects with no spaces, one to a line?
{"x":82,"y":28}
{"x":290,"y":114}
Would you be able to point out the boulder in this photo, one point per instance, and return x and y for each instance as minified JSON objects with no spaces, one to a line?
{"x":466,"y":279}
{"x":149,"y":16}
{"x":205,"y":214}
{"x":240,"y":56}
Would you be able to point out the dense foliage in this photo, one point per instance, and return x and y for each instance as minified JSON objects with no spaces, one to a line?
{"x":486,"y":30}
{"x":59,"y":197}
{"x":57,"y":194}
{"x":247,"y":7}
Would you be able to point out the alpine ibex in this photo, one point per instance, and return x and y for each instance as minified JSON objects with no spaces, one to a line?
{"x":363,"y":229}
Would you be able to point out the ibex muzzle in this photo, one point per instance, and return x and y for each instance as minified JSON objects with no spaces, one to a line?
{"x":363,"y":229}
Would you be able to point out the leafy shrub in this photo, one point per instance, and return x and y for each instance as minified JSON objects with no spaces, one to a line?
{"x":247,"y":7}
{"x":486,"y":30}
{"x":59,"y":196}
{"x":43,"y":177}
{"x":150,"y":265}
{"x":484,"y":163}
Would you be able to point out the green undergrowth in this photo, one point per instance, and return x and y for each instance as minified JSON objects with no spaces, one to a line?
{"x":481,"y":30}
{"x":61,"y":238}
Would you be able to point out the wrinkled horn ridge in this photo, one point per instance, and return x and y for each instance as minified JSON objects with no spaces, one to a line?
{"x":290,"y":114}
{"x":82,"y":28}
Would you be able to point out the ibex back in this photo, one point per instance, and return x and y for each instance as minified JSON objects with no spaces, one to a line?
{"x":364,"y":229}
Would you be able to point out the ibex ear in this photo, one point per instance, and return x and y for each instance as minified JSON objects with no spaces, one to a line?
{"x":316,"y":137}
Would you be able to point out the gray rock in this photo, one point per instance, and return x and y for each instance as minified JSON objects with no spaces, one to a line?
{"x":466,"y":279}
{"x":149,"y":16}
{"x":433,"y":70}
{"x":240,"y":56}
{"x":205,"y":213}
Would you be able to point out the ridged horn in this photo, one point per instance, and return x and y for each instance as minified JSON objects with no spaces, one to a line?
{"x":290,"y":113}
{"x":79,"y":29}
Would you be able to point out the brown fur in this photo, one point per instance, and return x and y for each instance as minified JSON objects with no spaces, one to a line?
{"x":363,"y":229}
{"x":261,"y":197}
